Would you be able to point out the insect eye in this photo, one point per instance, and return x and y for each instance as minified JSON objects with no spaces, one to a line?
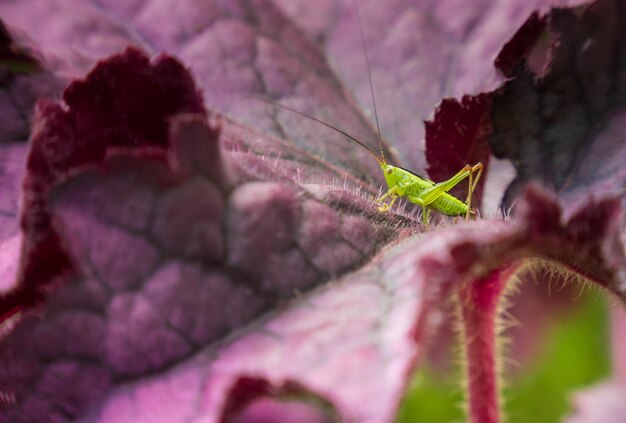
{"x":389,"y":171}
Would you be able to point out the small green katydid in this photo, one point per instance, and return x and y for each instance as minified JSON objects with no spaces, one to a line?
{"x":415,"y":188}
{"x":428,"y":194}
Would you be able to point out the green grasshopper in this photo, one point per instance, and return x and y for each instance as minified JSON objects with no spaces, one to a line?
{"x":428,"y":194}
{"x":415,"y":188}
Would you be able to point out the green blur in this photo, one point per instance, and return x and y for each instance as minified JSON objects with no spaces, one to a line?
{"x":575,"y":355}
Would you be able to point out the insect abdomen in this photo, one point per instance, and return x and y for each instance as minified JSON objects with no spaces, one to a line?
{"x":449,"y":205}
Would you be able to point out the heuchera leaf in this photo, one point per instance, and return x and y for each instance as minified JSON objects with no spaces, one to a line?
{"x":195,"y":269}
{"x":100,"y":121}
{"x":130,"y":221}
{"x":565,"y":128}
{"x":327,"y":336}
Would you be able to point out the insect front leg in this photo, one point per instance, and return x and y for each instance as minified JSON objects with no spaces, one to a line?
{"x":392,"y":192}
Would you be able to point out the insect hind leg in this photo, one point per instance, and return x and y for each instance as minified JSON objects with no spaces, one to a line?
{"x":473,"y":182}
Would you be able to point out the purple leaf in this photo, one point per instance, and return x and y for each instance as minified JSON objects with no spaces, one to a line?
{"x":130,"y":224}
{"x":100,"y":121}
{"x":177,"y":303}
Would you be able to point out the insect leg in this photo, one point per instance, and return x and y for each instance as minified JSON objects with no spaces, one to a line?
{"x":425,"y":210}
{"x":387,"y":194}
{"x":384,"y":206}
{"x":473,"y":181}
{"x":387,"y":206}
{"x":431,"y":194}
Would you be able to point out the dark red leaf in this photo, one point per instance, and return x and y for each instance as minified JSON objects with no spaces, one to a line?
{"x":253,"y":400}
{"x":125,"y":102}
{"x":519,"y":47}
{"x":456,"y":137}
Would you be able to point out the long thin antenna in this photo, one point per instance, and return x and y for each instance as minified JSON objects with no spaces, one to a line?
{"x":328,"y":125}
{"x":369,"y":77}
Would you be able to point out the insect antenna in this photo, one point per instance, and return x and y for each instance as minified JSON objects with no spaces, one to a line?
{"x":328,"y":125}
{"x":369,"y":77}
